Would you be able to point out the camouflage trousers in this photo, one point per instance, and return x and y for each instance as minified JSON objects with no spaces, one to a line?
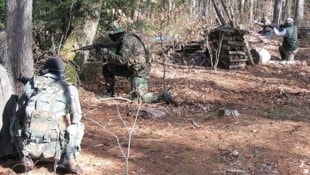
{"x":138,"y":82}
{"x":287,"y":55}
{"x":140,"y":90}
{"x":43,"y":150}
{"x":74,"y":134}
{"x":57,"y":149}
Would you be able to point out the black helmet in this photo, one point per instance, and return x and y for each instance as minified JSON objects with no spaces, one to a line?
{"x":54,"y":64}
{"x":115,"y":32}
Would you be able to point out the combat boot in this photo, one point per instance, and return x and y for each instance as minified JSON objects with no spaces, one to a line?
{"x":27,"y":162}
{"x":108,"y":94}
{"x":166,"y":97}
{"x":71,"y":167}
{"x":109,"y":86}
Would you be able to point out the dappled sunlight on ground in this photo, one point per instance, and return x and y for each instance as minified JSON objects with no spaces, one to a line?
{"x":267,"y":134}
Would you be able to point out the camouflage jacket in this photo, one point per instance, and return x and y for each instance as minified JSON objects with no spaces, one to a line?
{"x":132,"y":53}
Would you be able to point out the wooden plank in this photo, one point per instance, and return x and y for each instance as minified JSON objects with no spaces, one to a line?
{"x":237,"y":66}
{"x":233,"y":38}
{"x":238,"y":60}
{"x":236,"y":53}
{"x":232,"y":47}
{"x":236,"y":43}
{"x":229,"y":30}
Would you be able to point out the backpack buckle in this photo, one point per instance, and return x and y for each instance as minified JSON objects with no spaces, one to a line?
{"x":46,"y":138}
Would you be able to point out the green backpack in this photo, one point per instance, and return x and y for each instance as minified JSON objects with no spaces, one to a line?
{"x":146,"y":49}
{"x":41,"y":132}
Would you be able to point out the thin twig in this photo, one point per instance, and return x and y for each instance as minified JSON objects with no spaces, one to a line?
{"x":117,"y":139}
{"x":116,"y":98}
{"x":119,"y":115}
{"x":209,"y":49}
{"x":105,"y":129}
{"x":218,"y":52}
{"x":130,"y":136}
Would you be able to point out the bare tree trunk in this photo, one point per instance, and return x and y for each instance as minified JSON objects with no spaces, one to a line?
{"x":242,"y":4}
{"x":299,"y":12}
{"x":287,"y":9}
{"x":229,"y":13}
{"x":83,"y":33}
{"x":135,"y":12}
{"x":258,"y":10}
{"x":251,"y":11}
{"x":170,"y":8}
{"x":218,"y":14}
{"x":19,"y":33}
{"x":18,"y":27}
{"x":135,"y":15}
{"x":277,"y":12}
{"x":193,"y":8}
{"x":206,"y":8}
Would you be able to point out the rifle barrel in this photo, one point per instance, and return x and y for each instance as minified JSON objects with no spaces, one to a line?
{"x":97,"y":46}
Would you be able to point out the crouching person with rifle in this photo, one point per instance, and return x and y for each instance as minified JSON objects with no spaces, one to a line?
{"x":267,"y":29}
{"x":46,"y":124}
{"x":289,"y":47}
{"x":128,"y":57}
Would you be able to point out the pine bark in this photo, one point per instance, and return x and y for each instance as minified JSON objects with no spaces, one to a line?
{"x":19,"y":33}
{"x":277,"y":12}
{"x":299,"y":12}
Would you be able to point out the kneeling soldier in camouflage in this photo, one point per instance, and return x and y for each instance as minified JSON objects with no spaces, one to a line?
{"x":130,"y":59}
{"x":47,"y":124}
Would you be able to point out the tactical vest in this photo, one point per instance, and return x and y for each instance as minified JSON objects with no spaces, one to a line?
{"x":290,"y":40}
{"x":42,"y":131}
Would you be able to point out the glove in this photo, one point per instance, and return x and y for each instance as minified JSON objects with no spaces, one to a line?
{"x":105,"y":51}
{"x":273,"y":25}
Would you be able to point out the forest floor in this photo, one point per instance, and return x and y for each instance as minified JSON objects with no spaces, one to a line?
{"x":254,"y":120}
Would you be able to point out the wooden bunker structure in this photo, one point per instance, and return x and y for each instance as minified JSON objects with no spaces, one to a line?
{"x":227,"y":47}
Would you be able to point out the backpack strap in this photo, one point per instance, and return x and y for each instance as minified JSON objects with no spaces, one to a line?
{"x":48,"y":84}
{"x":146,"y":50}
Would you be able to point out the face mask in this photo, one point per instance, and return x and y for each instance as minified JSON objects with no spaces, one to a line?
{"x":117,"y":36}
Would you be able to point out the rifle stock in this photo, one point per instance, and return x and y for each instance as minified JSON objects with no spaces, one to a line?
{"x":281,"y":26}
{"x":23,"y":80}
